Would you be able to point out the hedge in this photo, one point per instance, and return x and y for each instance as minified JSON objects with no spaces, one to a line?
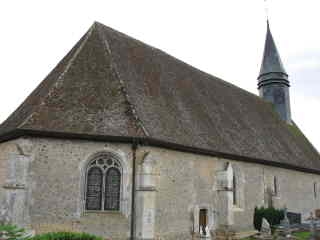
{"x":66,"y":236}
{"x":274,"y":216}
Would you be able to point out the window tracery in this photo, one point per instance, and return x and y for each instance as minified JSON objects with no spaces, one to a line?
{"x":103,"y":182}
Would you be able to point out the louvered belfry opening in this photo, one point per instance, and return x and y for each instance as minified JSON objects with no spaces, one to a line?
{"x":103,"y":182}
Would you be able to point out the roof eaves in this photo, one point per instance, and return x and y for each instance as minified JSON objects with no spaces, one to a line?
{"x":147,"y":141}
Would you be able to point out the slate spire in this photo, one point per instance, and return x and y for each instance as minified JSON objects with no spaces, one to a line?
{"x":271,"y":61}
{"x":273,"y":83}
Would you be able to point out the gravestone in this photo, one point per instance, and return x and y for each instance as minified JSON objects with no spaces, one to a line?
{"x":315,"y":234}
{"x":312,"y":227}
{"x":284,"y":229}
{"x":265,"y":228}
{"x":294,"y":218}
{"x":265,"y":231}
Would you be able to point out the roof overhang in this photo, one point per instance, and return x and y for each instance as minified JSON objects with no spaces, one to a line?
{"x":147,"y":141}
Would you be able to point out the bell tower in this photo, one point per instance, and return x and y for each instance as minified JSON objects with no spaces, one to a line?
{"x":273,"y":83}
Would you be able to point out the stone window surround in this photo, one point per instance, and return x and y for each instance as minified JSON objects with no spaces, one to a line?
{"x":234,"y":190}
{"x":121,"y":157}
{"x":275,"y":186}
{"x":276,"y":195}
{"x":270,"y":182}
{"x":240,"y":189}
{"x":210,"y":217}
{"x":104,"y":168}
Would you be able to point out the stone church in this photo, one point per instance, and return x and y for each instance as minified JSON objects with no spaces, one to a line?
{"x":125,"y":141}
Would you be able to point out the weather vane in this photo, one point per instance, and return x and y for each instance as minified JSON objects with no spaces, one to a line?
{"x":266,"y":9}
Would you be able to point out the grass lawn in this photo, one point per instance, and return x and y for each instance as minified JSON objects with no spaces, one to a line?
{"x":299,"y":235}
{"x":302,"y":235}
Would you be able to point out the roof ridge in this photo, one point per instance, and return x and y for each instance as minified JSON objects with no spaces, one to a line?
{"x":61,"y":75}
{"x":123,"y":89}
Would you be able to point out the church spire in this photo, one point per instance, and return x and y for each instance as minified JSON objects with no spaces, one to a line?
{"x":273,"y":83}
{"x":271,"y":61}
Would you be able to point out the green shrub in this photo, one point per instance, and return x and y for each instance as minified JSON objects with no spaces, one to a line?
{"x":274,"y":216}
{"x":65,"y":236}
{"x":11,"y":232}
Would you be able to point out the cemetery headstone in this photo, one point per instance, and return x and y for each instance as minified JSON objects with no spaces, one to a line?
{"x":265,"y":228}
{"x":294,"y":218}
{"x":317,"y":213}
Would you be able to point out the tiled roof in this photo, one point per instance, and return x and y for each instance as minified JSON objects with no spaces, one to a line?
{"x":110,"y":84}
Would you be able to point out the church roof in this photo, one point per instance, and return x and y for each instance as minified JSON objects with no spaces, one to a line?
{"x":271,"y":61}
{"x":113,"y":87}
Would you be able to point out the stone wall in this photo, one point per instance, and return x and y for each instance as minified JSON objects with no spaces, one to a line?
{"x":184,"y":181}
{"x":42,"y":185}
{"x":187,"y":181}
{"x":5,"y":150}
{"x":54,"y":191}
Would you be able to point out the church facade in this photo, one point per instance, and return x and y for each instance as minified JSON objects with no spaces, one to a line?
{"x":126,"y":142}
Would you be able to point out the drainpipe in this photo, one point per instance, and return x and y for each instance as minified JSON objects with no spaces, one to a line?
{"x":133,"y":190}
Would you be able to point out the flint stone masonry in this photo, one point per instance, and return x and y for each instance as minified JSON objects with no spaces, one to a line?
{"x":187,"y":180}
{"x":55,"y":188}
{"x":42,"y":187}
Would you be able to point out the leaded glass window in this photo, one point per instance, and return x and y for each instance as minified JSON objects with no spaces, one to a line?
{"x":112,"y":192}
{"x":94,"y":189}
{"x":103,"y":181}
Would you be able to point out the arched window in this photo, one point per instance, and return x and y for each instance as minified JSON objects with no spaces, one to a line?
{"x":103,"y":181}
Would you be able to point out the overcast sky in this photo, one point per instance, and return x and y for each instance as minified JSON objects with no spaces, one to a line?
{"x":224,"y":38}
